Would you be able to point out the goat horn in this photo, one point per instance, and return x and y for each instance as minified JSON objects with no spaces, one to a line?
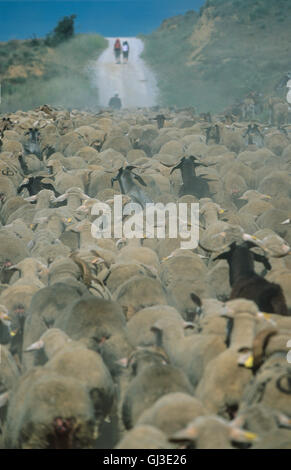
{"x":259,"y":345}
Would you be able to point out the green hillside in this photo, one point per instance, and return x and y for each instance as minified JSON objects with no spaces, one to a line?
{"x":33,"y":73}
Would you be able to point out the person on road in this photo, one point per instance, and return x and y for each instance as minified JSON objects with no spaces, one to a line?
{"x":117,"y":50}
{"x":115,"y":102}
{"x":125,"y":51}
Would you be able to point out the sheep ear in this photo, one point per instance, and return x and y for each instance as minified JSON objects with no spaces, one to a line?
{"x":13,"y":268}
{"x":284,"y":421}
{"x":239,"y":435}
{"x":31,"y":198}
{"x":61,"y":198}
{"x":139,"y":179}
{"x":122,"y":362}
{"x":40,"y":220}
{"x":30,"y":244}
{"x":188,"y":434}
{"x":35,"y":346}
{"x":4,"y":397}
{"x":238,"y":422}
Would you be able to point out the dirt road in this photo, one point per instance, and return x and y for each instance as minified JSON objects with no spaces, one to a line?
{"x":133,"y":81}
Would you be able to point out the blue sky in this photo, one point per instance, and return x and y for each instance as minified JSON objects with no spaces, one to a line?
{"x":22,"y":19}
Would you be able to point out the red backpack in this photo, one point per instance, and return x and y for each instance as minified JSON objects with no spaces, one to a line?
{"x":117,"y":44}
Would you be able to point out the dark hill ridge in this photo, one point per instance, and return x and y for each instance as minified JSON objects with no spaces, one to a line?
{"x":212,"y":58}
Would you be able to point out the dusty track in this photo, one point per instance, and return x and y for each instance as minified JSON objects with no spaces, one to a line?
{"x":134,"y":81}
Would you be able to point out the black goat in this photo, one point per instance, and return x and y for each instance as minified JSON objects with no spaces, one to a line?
{"x":192,"y":184}
{"x":5,"y":125}
{"x":125,"y":178}
{"x":247,"y":284}
{"x":160,"y":118}
{"x":213,"y":133}
{"x":34,"y":184}
{"x":33,"y":146}
{"x":254,"y":136}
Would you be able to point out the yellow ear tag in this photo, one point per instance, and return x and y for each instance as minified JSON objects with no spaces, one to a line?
{"x":249,"y":362}
{"x":70,"y":220}
{"x":221,"y":211}
{"x":13,"y":333}
{"x":250,"y":435}
{"x":267,"y":316}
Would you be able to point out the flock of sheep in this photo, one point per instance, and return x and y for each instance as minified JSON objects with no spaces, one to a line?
{"x":137,"y":343}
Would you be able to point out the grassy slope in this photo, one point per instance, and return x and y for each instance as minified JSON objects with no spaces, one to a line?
{"x":32,"y":74}
{"x":213,"y":58}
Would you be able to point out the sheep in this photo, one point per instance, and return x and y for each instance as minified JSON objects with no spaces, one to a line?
{"x":270,"y":242}
{"x":12,"y":248}
{"x":44,"y":198}
{"x":9,"y":374}
{"x":191,"y":353}
{"x":120,"y":273}
{"x":172,"y":412}
{"x":5,"y":325}
{"x":74,"y":197}
{"x":139,"y":325}
{"x":46,"y":306}
{"x":29,"y":271}
{"x":155,"y":284}
{"x":144,"y":437}
{"x":72,"y":359}
{"x":87,"y":316}
{"x":10,"y":205}
{"x":271,"y":384}
{"x":7,"y":189}
{"x":146,"y":367}
{"x":139,"y":292}
{"x":63,"y":179}
{"x":213,"y":432}
{"x":40,"y":416}
{"x":247,"y":284}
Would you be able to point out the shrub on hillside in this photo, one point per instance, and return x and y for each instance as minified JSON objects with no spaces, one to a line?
{"x":62,"y":32}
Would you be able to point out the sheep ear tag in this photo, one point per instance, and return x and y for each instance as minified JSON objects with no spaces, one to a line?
{"x":250,"y":436}
{"x":246,"y":360}
{"x":240,"y":435}
{"x":13,"y":333}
